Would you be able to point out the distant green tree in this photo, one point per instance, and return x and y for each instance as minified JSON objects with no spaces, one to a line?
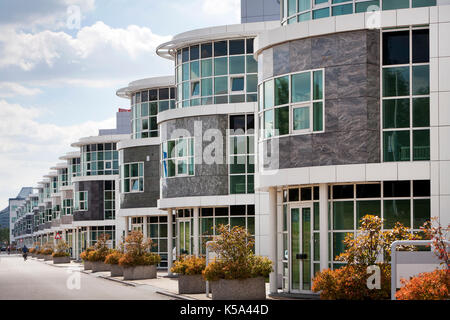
{"x":4,"y":235}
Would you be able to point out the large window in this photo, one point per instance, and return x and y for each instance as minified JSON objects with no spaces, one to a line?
{"x":81,"y":201}
{"x":55,"y":184}
{"x":157,"y":232}
{"x":177,"y":157}
{"x":67,"y":207}
{"x":293,"y":11}
{"x":99,"y":159}
{"x":292,"y":104}
{"x":145,"y":106}
{"x":62,"y":177}
{"x":211,"y":218}
{"x":132,"y":177}
{"x":407,"y":202}
{"x":74,"y":169}
{"x":109,"y":231}
{"x":406,"y":95}
{"x":110,"y":199}
{"x":216,"y":72}
{"x":241,"y":153}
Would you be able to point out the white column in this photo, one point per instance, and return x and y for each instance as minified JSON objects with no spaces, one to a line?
{"x":169,"y":241}
{"x":88,"y":237}
{"x":196,"y":231}
{"x":144,"y":227}
{"x":323,"y":216}
{"x":273,"y":238}
{"x":74,"y":243}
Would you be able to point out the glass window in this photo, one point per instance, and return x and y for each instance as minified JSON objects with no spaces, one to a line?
{"x":301,"y":87}
{"x":194,"y":52}
{"x":420,"y":46}
{"x":237,"y":47}
{"x":343,"y":215}
{"x":195,"y":71}
{"x":237,"y":65}
{"x":397,"y":189}
{"x":341,"y":10}
{"x":321,"y":13}
{"x":396,"y":81}
{"x":372,"y":207}
{"x":363,"y":6}
{"x":300,"y":118}
{"x":282,"y":91}
{"x":396,"y":47}
{"x":318,"y":116}
{"x":422,"y":212}
{"x":206,"y":87}
{"x":282,"y":120}
{"x":396,"y":146}
{"x":221,"y":85}
{"x":423,"y":3}
{"x":220,"y":66}
{"x":268,"y":123}
{"x":220,"y":48}
{"x":252,"y":65}
{"x":396,"y":113}
{"x":252,"y":82}
{"x":421,"y":80}
{"x":207,"y":68}
{"x":421,"y":145}
{"x":237,"y":84}
{"x":421,"y":112}
{"x":397,"y":211}
{"x":304,"y":5}
{"x":395,"y":4}
{"x":206,"y":50}
{"x":268,"y":94}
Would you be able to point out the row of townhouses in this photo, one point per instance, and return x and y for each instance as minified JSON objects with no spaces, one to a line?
{"x":294,"y":128}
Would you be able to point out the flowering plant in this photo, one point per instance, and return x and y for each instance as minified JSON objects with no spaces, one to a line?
{"x":189,"y":265}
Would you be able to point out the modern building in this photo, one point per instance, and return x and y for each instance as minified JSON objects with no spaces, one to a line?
{"x":260,"y":10}
{"x":4,"y":218}
{"x":294,"y":128}
{"x":14,"y":204}
{"x":355,"y":106}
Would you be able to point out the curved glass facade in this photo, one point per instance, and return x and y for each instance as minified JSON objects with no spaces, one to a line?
{"x":99,"y":159}
{"x":302,"y":10}
{"x":74,"y":169}
{"x":145,"y":106}
{"x":216,"y":72}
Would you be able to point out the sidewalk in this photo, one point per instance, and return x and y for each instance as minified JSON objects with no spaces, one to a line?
{"x":165,"y":285}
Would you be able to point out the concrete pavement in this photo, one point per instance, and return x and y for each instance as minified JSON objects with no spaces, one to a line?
{"x":36,"y":280}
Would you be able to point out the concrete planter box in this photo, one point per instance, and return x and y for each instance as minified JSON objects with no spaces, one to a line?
{"x":191,"y":284}
{"x":248,"y":289}
{"x":57,"y":260}
{"x":100,"y":266}
{"x":87,"y":265}
{"x":139,"y":272}
{"x":116,"y":270}
{"x":40,"y":256}
{"x":48,"y":257}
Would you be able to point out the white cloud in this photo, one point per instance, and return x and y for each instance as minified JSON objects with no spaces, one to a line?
{"x":11,"y":89}
{"x":28,"y":148}
{"x":27,"y":50}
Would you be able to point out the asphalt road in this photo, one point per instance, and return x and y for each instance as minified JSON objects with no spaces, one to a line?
{"x":35,"y":280}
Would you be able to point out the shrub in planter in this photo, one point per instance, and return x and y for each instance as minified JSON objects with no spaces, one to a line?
{"x":61,"y":255}
{"x":350,"y":281}
{"x":137,"y":261}
{"x":113,"y":260}
{"x":47,"y":252}
{"x":190,"y":279}
{"x":98,"y":255}
{"x":426,"y":286}
{"x":85,"y":257}
{"x":237,"y":274}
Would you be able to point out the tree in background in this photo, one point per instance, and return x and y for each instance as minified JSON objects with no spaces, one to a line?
{"x":4,"y":236}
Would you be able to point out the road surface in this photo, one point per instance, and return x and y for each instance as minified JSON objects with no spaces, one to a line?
{"x":36,"y":280}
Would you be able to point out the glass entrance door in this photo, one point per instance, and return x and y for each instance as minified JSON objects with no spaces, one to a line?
{"x":300,"y":244}
{"x":184,"y":236}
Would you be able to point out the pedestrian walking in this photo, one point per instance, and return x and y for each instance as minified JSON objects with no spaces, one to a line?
{"x":9,"y":249}
{"x":25,"y":252}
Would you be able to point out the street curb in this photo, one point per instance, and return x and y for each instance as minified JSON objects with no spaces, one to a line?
{"x":118,"y":281}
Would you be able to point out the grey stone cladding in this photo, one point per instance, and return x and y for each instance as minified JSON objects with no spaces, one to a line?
{"x":352,"y":97}
{"x":208,"y":179}
{"x":149,"y":197}
{"x":96,"y":196}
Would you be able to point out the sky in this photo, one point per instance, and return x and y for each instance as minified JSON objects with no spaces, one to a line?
{"x":61,"y":62}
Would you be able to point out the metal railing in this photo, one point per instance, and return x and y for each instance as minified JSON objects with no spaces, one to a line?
{"x":394,"y":246}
